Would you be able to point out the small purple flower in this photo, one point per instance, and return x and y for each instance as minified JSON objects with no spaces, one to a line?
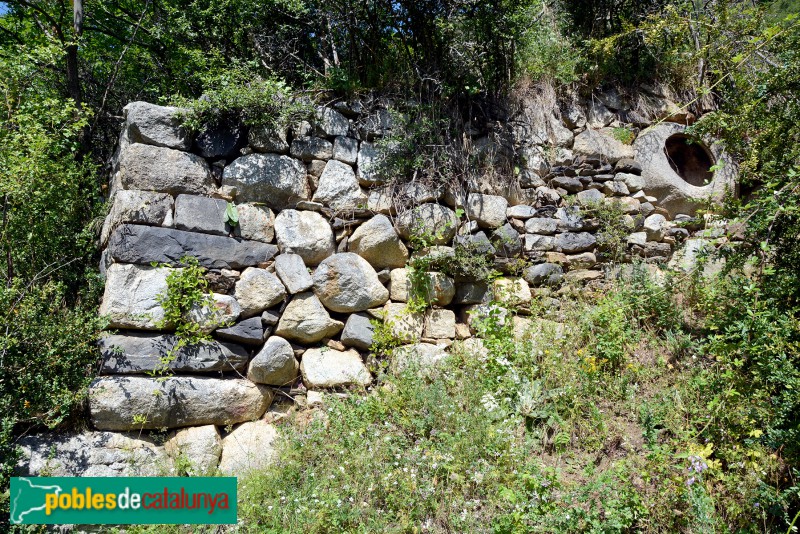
{"x":697,"y":464}
{"x":690,"y":481}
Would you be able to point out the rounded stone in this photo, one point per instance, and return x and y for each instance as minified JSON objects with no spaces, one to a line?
{"x":332,"y":368}
{"x":305,"y":233}
{"x":277,"y":181}
{"x":543,"y":274}
{"x":248,"y":447}
{"x":274,"y":364}
{"x":338,"y":187}
{"x":488,"y":210}
{"x":257,"y":290}
{"x":347,"y":283}
{"x":377,"y":242}
{"x":305,"y":320}
{"x":431,"y":221}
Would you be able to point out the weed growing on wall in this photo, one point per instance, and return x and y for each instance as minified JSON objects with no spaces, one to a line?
{"x":187,"y":291}
{"x":614,"y":230}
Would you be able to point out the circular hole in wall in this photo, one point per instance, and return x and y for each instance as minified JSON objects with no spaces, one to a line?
{"x":690,"y":161}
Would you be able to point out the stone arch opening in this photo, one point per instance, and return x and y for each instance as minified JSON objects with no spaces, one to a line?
{"x":690,"y":161}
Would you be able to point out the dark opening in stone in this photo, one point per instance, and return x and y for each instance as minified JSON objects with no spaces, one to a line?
{"x":691,"y":161}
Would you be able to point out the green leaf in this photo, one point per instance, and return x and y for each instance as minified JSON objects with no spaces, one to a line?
{"x":231,"y":214}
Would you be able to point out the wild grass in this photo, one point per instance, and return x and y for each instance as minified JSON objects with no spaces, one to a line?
{"x":595,"y":418}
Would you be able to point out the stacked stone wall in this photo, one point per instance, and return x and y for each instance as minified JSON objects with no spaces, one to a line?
{"x":321,"y":252}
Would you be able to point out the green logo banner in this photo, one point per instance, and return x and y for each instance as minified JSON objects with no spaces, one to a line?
{"x":123,"y":501}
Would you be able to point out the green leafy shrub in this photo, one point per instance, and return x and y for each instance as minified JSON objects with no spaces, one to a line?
{"x":623,"y":134}
{"x":239,"y":92}
{"x":48,"y":283}
{"x":48,"y":357}
{"x":613,"y":234}
{"x":611,"y":333}
{"x":187,"y":290}
{"x":384,"y":341}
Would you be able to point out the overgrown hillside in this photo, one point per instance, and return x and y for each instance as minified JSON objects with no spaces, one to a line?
{"x":663,"y":405}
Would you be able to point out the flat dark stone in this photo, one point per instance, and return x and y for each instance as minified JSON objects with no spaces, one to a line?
{"x":148,"y":244}
{"x":572,"y":243}
{"x":220,"y":141}
{"x":137,"y":352}
{"x":247,"y":332}
{"x":629,"y":166}
{"x":570,"y":184}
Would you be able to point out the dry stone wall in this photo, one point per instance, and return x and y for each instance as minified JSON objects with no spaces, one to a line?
{"x":320,"y":252}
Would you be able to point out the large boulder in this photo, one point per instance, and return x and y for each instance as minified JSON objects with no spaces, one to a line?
{"x":345,"y":149}
{"x":338,"y":187}
{"x":137,"y":402}
{"x":197,"y":449}
{"x":311,"y":148}
{"x":305,"y":233}
{"x":305,"y":320}
{"x":156,"y":125}
{"x":660,"y":179}
{"x":258,"y":289}
{"x":91,"y":454}
{"x":405,"y":326}
{"x":248,"y":447}
{"x":139,"y":352}
{"x":512,"y":292}
{"x":541,"y":225}
{"x":139,"y":207}
{"x":274,"y":364}
{"x":332,"y":368}
{"x":574,"y":242}
{"x":548,"y":274}
{"x":347,"y":283}
{"x":131,"y":296}
{"x":277,"y":181}
{"x":369,"y":165}
{"x":152,"y":168}
{"x":655,"y":226}
{"x":377,"y":242}
{"x":266,"y":138}
{"x":148,"y":244}
{"x":601,"y":144}
{"x":433,"y":221}
{"x":440,"y":324}
{"x":507,"y":241}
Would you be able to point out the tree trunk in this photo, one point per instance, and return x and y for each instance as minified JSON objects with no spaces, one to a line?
{"x":73,"y":79}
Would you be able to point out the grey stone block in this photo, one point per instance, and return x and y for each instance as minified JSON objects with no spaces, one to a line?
{"x":145,"y":245}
